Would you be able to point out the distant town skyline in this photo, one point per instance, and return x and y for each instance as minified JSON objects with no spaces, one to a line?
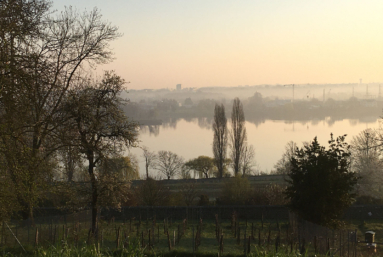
{"x":207,"y":43}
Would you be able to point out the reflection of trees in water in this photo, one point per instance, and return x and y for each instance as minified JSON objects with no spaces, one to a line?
{"x":353,"y":122}
{"x":151,"y":129}
{"x":205,"y":122}
{"x":170,"y":123}
{"x":256,"y":121}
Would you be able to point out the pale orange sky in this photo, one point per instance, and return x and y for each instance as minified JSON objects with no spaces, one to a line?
{"x":201,"y":43}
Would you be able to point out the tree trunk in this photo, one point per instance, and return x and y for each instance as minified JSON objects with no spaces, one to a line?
{"x":93,"y":181}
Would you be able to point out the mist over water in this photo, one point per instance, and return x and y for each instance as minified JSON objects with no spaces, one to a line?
{"x":194,"y":137}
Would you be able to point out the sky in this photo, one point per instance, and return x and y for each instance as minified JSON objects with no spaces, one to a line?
{"x":209,"y":43}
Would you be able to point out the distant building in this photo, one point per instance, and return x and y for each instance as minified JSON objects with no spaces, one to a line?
{"x":179,"y":86}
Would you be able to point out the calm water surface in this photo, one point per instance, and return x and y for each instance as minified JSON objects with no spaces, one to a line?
{"x":191,"y":139}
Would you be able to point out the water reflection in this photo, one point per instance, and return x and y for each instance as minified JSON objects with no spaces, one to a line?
{"x":206,"y":123}
{"x":193,"y":137}
{"x":153,"y":130}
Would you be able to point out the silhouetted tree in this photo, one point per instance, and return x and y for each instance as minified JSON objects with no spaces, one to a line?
{"x":150,"y":159}
{"x":169,"y":163}
{"x":238,"y":135}
{"x":283,"y":166}
{"x":248,"y":160}
{"x":220,"y":138}
{"x":320,"y":184}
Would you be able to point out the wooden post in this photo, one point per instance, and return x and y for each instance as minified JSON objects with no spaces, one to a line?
{"x":355,"y":243}
{"x":118,"y":238}
{"x":150,"y":242}
{"x":248,"y":245}
{"x":244,"y":242}
{"x":340,"y":243}
{"x":36,"y":237}
{"x":193,"y":244}
{"x":252,"y":230}
{"x":277,"y":242}
{"x":239,"y":236}
{"x":348,"y":243}
{"x":169,"y":242}
{"x":221,"y":245}
{"x":102,"y":238}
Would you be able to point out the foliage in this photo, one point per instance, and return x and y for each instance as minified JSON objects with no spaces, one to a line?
{"x":42,"y":57}
{"x":99,"y":129}
{"x":151,"y":193}
{"x":236,"y":190}
{"x":320,"y":185}
{"x":220,"y":138}
{"x":189,"y":192}
{"x":203,"y":164}
{"x":126,"y":168}
{"x":272,"y":194}
{"x":203,"y":200}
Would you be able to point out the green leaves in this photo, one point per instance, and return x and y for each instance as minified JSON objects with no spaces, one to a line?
{"x":321,"y":185}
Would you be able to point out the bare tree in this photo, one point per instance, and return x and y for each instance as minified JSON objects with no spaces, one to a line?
{"x":169,"y":163}
{"x":283,"y":166}
{"x":248,"y":160}
{"x":238,"y":135}
{"x":220,"y":138}
{"x":366,"y":159}
{"x":150,"y":159}
{"x":189,"y":192}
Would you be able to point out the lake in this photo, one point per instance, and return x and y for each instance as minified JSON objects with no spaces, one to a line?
{"x":194,"y":137}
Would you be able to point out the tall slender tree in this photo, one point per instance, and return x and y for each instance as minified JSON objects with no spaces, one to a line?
{"x":238,"y":135}
{"x":220,"y":138}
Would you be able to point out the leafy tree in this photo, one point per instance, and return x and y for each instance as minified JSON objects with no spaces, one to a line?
{"x":169,"y":163}
{"x":203,"y":164}
{"x":238,"y":135}
{"x":41,"y":58}
{"x":101,"y":127}
{"x":220,"y":138}
{"x":320,"y":184}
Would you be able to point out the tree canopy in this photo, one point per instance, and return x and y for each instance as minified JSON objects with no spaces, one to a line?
{"x":321,"y":186}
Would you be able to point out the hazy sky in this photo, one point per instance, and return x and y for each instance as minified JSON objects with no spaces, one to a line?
{"x":202,"y":43}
